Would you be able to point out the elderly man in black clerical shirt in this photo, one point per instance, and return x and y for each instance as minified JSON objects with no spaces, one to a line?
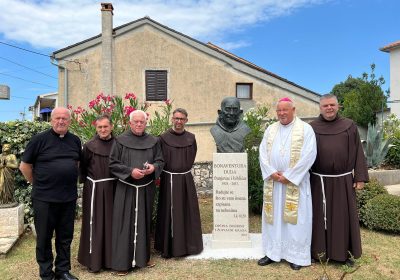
{"x":229,"y":131}
{"x":50,"y":162}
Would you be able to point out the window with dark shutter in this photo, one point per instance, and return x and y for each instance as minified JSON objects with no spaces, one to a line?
{"x":156,"y":85}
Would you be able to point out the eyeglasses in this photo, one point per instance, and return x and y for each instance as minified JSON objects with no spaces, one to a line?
{"x":179,"y":119}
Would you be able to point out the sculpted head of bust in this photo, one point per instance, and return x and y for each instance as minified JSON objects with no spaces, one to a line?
{"x":229,"y":131}
{"x":229,"y":114}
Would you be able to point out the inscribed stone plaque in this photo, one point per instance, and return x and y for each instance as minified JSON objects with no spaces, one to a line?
{"x":230,"y":201}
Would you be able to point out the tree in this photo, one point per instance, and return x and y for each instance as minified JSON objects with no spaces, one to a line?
{"x":361,"y":98}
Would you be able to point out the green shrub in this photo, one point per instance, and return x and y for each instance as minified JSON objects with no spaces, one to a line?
{"x":391,"y":129}
{"x":393,"y":155}
{"x":370,"y":190}
{"x":256,"y":182}
{"x":18,"y":134}
{"x":255,"y":118}
{"x":383,"y":213}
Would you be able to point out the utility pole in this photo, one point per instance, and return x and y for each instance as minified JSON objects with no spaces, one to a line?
{"x":23,"y":114}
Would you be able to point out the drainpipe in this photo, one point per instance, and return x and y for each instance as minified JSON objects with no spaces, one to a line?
{"x":65,"y":81}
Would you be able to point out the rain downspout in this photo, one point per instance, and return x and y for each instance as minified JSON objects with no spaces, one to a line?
{"x":65,"y":80}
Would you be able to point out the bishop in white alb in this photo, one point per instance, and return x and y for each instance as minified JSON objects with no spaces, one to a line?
{"x":281,"y":239}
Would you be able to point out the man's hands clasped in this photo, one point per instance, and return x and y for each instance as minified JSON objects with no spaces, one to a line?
{"x":140,"y":173}
{"x":278,"y":177}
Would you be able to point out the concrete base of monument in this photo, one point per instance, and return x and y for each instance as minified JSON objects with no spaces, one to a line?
{"x":253,"y":252}
{"x":6,"y":243}
{"x":11,"y":227}
{"x":221,"y":243}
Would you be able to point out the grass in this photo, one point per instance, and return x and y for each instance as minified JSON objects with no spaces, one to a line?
{"x":380,"y":260}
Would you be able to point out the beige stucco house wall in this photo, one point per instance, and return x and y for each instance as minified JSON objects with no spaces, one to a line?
{"x":394,"y":50}
{"x":199,"y":75}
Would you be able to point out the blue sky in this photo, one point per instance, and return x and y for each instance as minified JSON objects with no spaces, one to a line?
{"x":314,"y":43}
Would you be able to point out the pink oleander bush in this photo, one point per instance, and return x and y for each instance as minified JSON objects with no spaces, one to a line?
{"x":118,"y":108}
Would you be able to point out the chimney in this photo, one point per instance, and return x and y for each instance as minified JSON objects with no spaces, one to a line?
{"x":107,"y":48}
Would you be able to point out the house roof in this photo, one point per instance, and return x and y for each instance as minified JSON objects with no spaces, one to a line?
{"x":236,"y":62}
{"x":46,"y":96}
{"x":391,"y":46}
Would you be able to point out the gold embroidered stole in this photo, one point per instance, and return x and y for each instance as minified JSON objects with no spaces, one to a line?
{"x":292,"y":191}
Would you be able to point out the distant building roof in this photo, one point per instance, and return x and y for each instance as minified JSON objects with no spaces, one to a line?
{"x":391,"y":46}
{"x":46,"y":96}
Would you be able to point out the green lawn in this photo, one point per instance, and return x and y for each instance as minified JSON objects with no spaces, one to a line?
{"x":381,"y":260}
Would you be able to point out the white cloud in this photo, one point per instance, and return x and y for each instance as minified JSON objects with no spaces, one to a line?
{"x":232,"y":45}
{"x":59,"y":23}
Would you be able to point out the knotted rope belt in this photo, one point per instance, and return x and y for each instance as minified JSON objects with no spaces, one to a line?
{"x":172,"y":203}
{"x":91,"y":206}
{"x":137,"y":187}
{"x":321,"y":176}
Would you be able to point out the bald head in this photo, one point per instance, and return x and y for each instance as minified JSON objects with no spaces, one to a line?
{"x":60,"y":110}
{"x":60,"y":120}
{"x":231,"y":101}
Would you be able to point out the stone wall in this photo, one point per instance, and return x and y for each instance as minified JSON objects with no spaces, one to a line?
{"x":386,"y":177}
{"x":202,"y":175}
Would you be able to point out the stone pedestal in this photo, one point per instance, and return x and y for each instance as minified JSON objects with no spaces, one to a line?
{"x":230,"y":201}
{"x":11,"y":226}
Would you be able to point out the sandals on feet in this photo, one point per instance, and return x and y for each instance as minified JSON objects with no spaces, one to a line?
{"x":150,"y":264}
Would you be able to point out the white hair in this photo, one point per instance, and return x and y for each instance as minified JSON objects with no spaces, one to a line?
{"x":136,"y":112}
{"x":68,"y":111}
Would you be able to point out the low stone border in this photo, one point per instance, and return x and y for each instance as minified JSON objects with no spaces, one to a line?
{"x":386,"y":177}
{"x":202,"y":174}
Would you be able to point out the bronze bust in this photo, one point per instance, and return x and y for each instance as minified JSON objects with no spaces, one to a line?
{"x":229,"y":131}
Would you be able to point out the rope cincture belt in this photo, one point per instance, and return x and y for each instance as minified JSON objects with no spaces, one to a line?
{"x":136,"y":215}
{"x":172,"y":204}
{"x":321,"y":176}
{"x":91,"y":205}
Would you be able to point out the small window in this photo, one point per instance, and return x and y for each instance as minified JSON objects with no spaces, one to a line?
{"x":156,"y":85}
{"x":244,"y":91}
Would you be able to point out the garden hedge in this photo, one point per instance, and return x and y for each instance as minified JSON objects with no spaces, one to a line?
{"x":383,"y":213}
{"x":18,"y":134}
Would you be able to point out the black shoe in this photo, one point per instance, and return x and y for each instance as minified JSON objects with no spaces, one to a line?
{"x":349,"y":262}
{"x":66,"y":276}
{"x":47,"y":278}
{"x":295,"y":266}
{"x":264,"y":261}
{"x":93,"y":271}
